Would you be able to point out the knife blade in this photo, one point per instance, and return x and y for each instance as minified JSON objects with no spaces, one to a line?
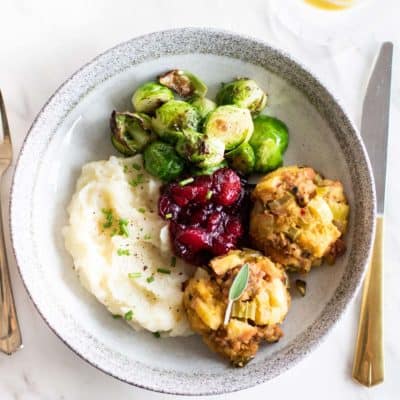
{"x":368,"y":364}
{"x":375,"y":119}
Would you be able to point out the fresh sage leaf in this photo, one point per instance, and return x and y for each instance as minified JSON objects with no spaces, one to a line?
{"x":238,"y":286}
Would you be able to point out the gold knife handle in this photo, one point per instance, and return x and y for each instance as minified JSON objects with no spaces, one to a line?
{"x":10,"y":334}
{"x":368,"y":366}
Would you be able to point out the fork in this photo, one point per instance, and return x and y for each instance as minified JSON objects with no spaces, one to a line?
{"x":10,"y":334}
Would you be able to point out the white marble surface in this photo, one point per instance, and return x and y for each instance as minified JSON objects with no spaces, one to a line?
{"x":43,"y":42}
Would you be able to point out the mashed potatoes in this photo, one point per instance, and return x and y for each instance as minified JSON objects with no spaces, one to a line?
{"x":120,"y":246}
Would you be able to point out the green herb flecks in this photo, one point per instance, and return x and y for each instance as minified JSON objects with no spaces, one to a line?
{"x":185,"y":182}
{"x":128,"y":315}
{"x":137,"y":181}
{"x":157,"y":335}
{"x":173,"y":261}
{"x":123,"y":227}
{"x":147,"y":236}
{"x":116,"y":316}
{"x":136,"y":166}
{"x":108,"y":215}
{"x":163,"y":270}
{"x":123,"y":252}
{"x":209,"y":195}
{"x":142,"y":210}
{"x":134,"y":275}
{"x":168,"y":216}
{"x":150,"y":279}
{"x":126,"y":169}
{"x":237,"y":288}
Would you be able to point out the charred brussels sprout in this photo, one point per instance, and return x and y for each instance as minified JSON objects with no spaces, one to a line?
{"x":230,"y":124}
{"x":203,"y":106}
{"x":242,"y":159}
{"x":269,"y":141}
{"x":162,"y":161}
{"x":172,"y":117}
{"x":184,"y":83}
{"x":243,"y":93}
{"x":150,"y":96}
{"x":131,"y":132}
{"x":200,"y":149}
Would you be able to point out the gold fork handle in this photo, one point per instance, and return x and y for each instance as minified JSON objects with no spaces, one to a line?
{"x":368,"y":366}
{"x":10,"y":334}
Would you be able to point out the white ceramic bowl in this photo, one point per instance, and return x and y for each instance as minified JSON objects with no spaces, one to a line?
{"x":72,"y":129}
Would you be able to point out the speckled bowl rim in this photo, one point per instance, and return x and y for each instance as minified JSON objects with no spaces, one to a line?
{"x":187,"y":41}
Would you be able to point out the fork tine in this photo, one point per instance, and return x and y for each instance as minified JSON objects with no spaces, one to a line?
{"x":4,"y":120}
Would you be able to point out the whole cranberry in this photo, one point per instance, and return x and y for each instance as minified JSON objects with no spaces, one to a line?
{"x":227,"y":186}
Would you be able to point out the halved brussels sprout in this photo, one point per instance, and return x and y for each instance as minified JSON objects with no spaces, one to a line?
{"x":183,"y":82}
{"x":231,"y":124}
{"x":242,"y":159}
{"x":203,"y":106}
{"x":269,"y":141}
{"x":209,"y":170}
{"x":162,"y":161}
{"x":172,"y":117}
{"x":200,"y":149}
{"x":131,"y":132}
{"x":150,"y":96}
{"x":243,"y":93}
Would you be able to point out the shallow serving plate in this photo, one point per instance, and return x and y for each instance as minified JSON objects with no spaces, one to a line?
{"x":72,"y":129}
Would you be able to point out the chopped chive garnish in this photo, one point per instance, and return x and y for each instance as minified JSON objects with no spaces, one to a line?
{"x":147,"y":236}
{"x":108,"y":216}
{"x":157,"y":335}
{"x":163,"y":270}
{"x":116,"y":316}
{"x":150,"y":279}
{"x":123,"y":252}
{"x":125,"y":168}
{"x":173,"y":261}
{"x":168,"y":216}
{"x":123,"y":227}
{"x":142,"y":210}
{"x":128,"y":315}
{"x":136,"y":166}
{"x":134,"y":275}
{"x":136,"y":181}
{"x":186,"y":182}
{"x":209,"y":195}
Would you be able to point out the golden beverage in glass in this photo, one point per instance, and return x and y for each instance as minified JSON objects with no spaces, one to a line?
{"x":332,"y":5}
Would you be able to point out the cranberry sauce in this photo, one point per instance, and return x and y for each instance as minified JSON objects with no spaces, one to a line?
{"x":208,"y":216}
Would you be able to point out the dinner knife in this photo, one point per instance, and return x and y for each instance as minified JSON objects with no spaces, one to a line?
{"x":368,"y":366}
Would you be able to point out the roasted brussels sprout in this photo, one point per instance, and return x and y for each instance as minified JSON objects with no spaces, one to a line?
{"x":242,"y":159}
{"x":172,"y":117}
{"x":184,"y":83}
{"x":200,"y":149}
{"x":243,"y":93}
{"x":269,"y":141}
{"x":231,"y":124}
{"x":131,"y":132}
{"x":208,"y":170}
{"x":162,"y":161}
{"x":203,"y":106}
{"x":150,"y":96}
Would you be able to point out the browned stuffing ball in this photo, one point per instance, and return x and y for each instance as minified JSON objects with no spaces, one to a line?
{"x":256,"y":315}
{"x":298,"y":218}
